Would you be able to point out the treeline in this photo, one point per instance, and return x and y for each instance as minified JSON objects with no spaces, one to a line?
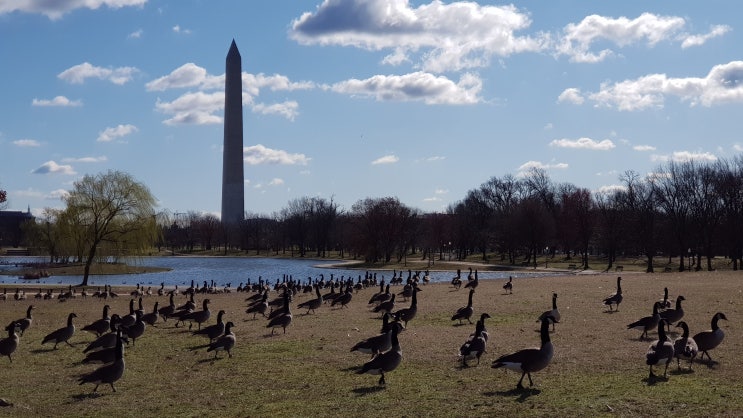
{"x":684,"y":209}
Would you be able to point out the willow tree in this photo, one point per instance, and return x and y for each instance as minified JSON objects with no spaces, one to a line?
{"x":112,"y":212}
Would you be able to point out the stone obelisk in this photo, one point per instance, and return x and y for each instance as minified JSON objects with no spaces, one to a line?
{"x":233,"y":192}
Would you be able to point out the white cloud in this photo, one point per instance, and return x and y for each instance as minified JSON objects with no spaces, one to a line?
{"x":288,"y":109}
{"x":435,"y":158}
{"x":571,"y":95}
{"x":611,"y":188}
{"x":79,"y":73}
{"x":418,"y":86}
{"x":57,"y":194}
{"x":387,"y":159}
{"x":442,"y":37}
{"x":26,"y":143}
{"x":51,"y":167}
{"x":525,"y":167}
{"x":27,"y":193}
{"x":583,"y":143}
{"x":549,"y":126}
{"x":136,"y":34}
{"x":696,"y":40}
{"x":276,"y":182}
{"x":179,"y":29}
{"x":193,"y":108}
{"x":259,"y":154}
{"x":643,"y":148}
{"x":431,"y":199}
{"x":56,"y":9}
{"x":723,"y":84}
{"x":109,"y":134}
{"x":441,"y":191}
{"x":60,"y":101}
{"x":684,"y":156}
{"x":738,"y":147}
{"x":100,"y":159}
{"x":187,"y":75}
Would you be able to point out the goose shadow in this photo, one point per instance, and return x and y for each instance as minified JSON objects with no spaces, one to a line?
{"x":460,"y":324}
{"x":681,"y":372}
{"x":351,"y":369}
{"x":610,"y":312}
{"x":521,"y":394}
{"x":652,"y":380}
{"x":369,"y":390}
{"x":80,"y":397}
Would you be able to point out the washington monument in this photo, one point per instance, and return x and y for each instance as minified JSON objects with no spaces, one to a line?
{"x":233,"y":192}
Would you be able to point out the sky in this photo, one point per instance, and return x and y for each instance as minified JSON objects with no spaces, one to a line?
{"x":354,"y":99}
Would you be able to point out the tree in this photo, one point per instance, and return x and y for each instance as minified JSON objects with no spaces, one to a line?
{"x":112,"y":210}
{"x":3,"y":199}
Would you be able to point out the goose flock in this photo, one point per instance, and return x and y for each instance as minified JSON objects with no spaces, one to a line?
{"x":113,"y":332}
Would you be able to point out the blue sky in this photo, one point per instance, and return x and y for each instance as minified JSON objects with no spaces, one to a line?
{"x":358,"y":98}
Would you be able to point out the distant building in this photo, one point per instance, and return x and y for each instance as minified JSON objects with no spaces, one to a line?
{"x":11,"y":234}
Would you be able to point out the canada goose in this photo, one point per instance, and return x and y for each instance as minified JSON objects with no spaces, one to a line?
{"x":647,"y":323}
{"x":259,"y":307}
{"x":386,"y":306}
{"x":707,"y":340}
{"x":312,"y":304}
{"x":225,"y":342}
{"x":198,"y":316}
{"x":378,"y":343}
{"x":100,"y":326}
{"x":345,"y":298}
{"x":25,"y":322}
{"x":61,"y":335}
{"x":106,"y":340}
{"x":131,"y":318}
{"x":407,"y":314}
{"x":109,"y":373}
{"x":456,"y":281}
{"x":8,"y":345}
{"x":484,"y":332}
{"x":508,"y":287}
{"x":530,"y":360}
{"x":465,"y":312}
{"x":150,"y":318}
{"x":135,"y":330}
{"x":166,"y":311}
{"x":104,"y":355}
{"x":665,"y":303}
{"x":215,"y":330}
{"x":554,"y":312}
{"x":382,"y":295}
{"x":283,"y":320}
{"x":472,"y":283}
{"x":660,"y":350}
{"x":475,"y":346}
{"x":384,"y":362}
{"x":616,"y":297}
{"x":673,"y":315}
{"x":684,"y":347}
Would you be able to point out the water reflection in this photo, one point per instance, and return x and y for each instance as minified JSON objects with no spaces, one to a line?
{"x":227,"y":270}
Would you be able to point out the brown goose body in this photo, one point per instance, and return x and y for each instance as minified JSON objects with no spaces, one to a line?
{"x":674,"y":315}
{"x":61,"y":335}
{"x":616,"y":297}
{"x":25,"y":322}
{"x":708,"y":340}
{"x":384,"y":362}
{"x":554,"y":312}
{"x":660,"y":351}
{"x":10,"y":344}
{"x":685,"y":347}
{"x":110,"y":373}
{"x":530,"y":360}
{"x":647,"y":323}
{"x":100,"y":326}
{"x":465,"y":312}
{"x":407,"y":314}
{"x":225,"y":342}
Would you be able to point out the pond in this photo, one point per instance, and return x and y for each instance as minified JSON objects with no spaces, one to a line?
{"x":228,"y":270}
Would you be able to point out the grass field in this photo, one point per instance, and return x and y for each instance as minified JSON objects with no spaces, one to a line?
{"x":598,"y":368}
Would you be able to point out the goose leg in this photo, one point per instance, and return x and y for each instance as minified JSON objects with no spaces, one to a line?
{"x":519,"y":385}
{"x":381,"y":380}
{"x":112,"y":387}
{"x":530,"y":382}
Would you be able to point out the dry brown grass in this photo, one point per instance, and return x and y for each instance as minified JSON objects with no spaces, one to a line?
{"x":598,"y":368}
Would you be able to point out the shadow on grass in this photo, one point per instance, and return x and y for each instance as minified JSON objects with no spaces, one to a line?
{"x":461,"y":324}
{"x":80,"y":397}
{"x":370,"y":390}
{"x":681,"y":371}
{"x":521,"y":394}
{"x":652,"y":380}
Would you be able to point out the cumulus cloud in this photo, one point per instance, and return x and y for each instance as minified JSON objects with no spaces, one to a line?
{"x":260,"y":154}
{"x":435,"y":158}
{"x":56,"y":9}
{"x":583,"y":143}
{"x":418,"y":86}
{"x":51,"y":167}
{"x":30,"y":143}
{"x":696,"y":40}
{"x":109,"y":134}
{"x":276,"y":182}
{"x":60,"y":101}
{"x":441,"y":37}
{"x":577,"y":39}
{"x":571,"y":95}
{"x":79,"y":73}
{"x":525,"y":167}
{"x":193,"y":108}
{"x":611,"y":188}
{"x":100,"y":159}
{"x":723,"y":84}
{"x":684,"y":156}
{"x":136,"y":34}
{"x":288,"y":109}
{"x":643,"y":148}
{"x":179,"y":29}
{"x":387,"y":159}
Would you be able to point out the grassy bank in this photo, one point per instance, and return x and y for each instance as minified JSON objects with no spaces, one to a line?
{"x":598,"y":369}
